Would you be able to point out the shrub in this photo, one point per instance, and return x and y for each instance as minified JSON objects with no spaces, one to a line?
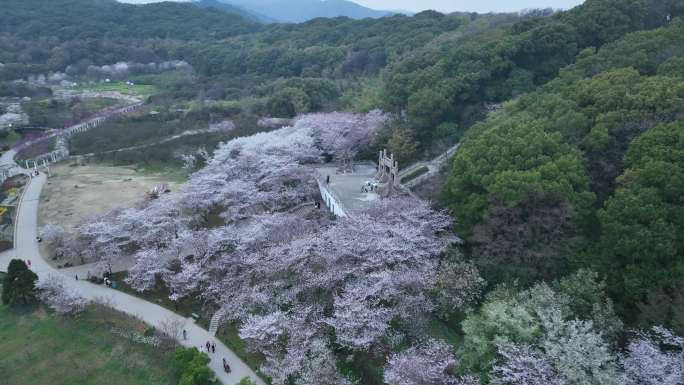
{"x":19,"y":285}
{"x":190,"y":367}
{"x":246,"y":381}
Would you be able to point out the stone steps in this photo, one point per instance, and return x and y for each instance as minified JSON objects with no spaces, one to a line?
{"x":216,"y":321}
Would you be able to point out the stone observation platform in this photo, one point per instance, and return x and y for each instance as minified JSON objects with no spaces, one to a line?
{"x":349,"y":188}
{"x":343,"y":192}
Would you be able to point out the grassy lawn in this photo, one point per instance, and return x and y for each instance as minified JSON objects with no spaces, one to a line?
{"x":143,"y":90}
{"x":39,"y":348}
{"x":171,"y":172}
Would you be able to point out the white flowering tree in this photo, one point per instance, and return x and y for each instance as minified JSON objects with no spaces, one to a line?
{"x":291,"y":282}
{"x":429,"y":363}
{"x":59,"y":297}
{"x":655,"y":358}
{"x":524,"y":365}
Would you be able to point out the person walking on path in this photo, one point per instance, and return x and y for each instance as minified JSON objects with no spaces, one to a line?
{"x":208,"y":345}
{"x":185,"y":334}
{"x":213,"y":347}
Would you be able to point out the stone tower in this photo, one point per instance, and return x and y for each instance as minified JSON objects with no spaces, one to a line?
{"x":388,"y":170}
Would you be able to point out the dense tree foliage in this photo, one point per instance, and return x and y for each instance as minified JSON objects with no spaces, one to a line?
{"x":81,"y":19}
{"x":585,"y":171}
{"x":641,"y":247}
{"x":441,"y":69}
{"x":19,"y":286}
{"x":541,"y":326}
{"x":456,"y":77}
{"x":190,"y":367}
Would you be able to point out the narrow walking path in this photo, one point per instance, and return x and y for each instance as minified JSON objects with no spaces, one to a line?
{"x":26,"y":248}
{"x":433,"y":166}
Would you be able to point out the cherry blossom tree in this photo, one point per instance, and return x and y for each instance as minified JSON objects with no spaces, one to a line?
{"x":579,"y":353}
{"x":524,"y":365}
{"x":319,"y":367}
{"x":57,"y":238}
{"x":59,"y":297}
{"x":351,"y":133}
{"x":53,"y":235}
{"x":291,"y":282}
{"x":359,"y":267}
{"x":655,"y":358}
{"x":426,"y":364}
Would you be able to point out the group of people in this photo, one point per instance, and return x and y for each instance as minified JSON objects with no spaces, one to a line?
{"x":369,"y":186}
{"x":211,"y":348}
{"x":35,"y":173}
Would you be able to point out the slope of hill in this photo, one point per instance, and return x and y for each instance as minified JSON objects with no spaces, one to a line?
{"x":234,"y":9}
{"x":586,"y":171}
{"x":82,"y":19}
{"x":296,"y":11}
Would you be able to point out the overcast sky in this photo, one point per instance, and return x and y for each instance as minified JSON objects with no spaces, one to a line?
{"x":453,"y":5}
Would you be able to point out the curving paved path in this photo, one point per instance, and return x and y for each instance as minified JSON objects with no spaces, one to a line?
{"x":26,"y":247}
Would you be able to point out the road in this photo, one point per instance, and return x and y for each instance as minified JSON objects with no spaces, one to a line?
{"x":26,"y":248}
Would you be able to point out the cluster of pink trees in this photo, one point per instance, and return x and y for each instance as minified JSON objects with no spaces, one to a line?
{"x":308,"y":291}
{"x":353,"y":278}
{"x":290,"y":281}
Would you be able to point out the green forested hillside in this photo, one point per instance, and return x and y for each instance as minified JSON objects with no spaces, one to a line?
{"x":586,"y":172}
{"x":454,"y":64}
{"x":66,"y":20}
{"x":457,"y":77}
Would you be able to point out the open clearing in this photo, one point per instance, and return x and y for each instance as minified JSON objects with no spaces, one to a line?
{"x":39,"y":348}
{"x":76,"y":193}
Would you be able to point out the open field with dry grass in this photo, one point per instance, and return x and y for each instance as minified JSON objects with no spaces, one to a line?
{"x":75,"y":193}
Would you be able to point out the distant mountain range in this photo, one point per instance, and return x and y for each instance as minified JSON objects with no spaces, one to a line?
{"x":294,"y":11}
